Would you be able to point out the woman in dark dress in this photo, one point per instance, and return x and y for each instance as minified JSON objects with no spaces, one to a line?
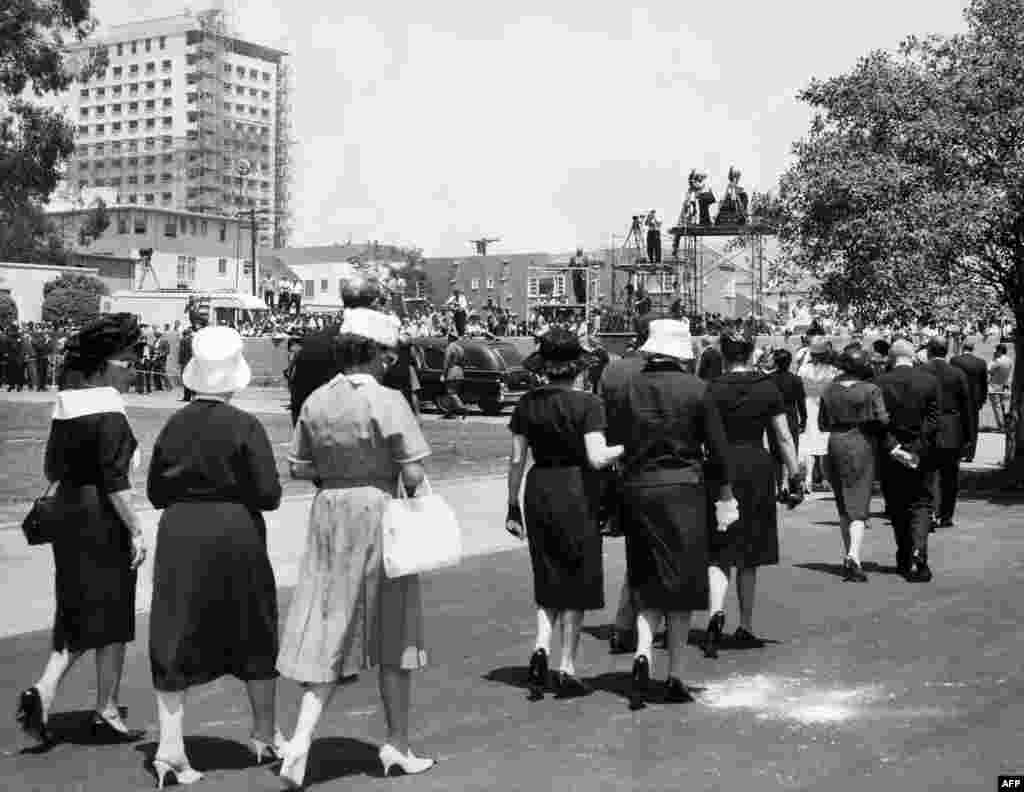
{"x":562,"y":426}
{"x":750,"y":405}
{"x":99,"y":547}
{"x":669,"y":428}
{"x":214,"y":595}
{"x":853,"y":412}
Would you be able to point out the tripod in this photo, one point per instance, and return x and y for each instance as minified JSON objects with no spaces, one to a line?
{"x":635,"y":239}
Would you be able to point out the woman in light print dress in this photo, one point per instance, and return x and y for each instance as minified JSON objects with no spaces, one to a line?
{"x":354,"y":438}
{"x":817,"y":373}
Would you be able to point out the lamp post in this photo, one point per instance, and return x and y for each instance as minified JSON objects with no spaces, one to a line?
{"x":243,"y":168}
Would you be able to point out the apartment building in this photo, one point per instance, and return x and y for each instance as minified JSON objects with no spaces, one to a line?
{"x":188,"y":117}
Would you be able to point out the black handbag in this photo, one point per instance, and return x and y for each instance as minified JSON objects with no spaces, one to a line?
{"x":40,"y":524}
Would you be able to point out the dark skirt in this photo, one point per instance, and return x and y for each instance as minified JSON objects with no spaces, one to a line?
{"x":851,"y":467}
{"x":663,"y":516}
{"x":214,"y":597}
{"x":95,"y":582}
{"x":753,"y":540}
{"x":560,"y":508}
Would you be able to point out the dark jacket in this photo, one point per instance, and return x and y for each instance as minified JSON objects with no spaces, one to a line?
{"x":794,"y":397}
{"x":711,"y":364}
{"x":956,"y":411}
{"x":912,"y":398}
{"x":315,"y":364}
{"x":976,"y":370}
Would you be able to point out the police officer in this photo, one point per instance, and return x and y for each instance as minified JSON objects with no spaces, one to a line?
{"x":912,"y":398}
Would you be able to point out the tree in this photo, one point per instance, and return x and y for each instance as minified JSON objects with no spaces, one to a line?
{"x":35,"y":141}
{"x":8,"y":311}
{"x":98,"y":221}
{"x":73,"y":306}
{"x":76,"y":282}
{"x":910,"y":183}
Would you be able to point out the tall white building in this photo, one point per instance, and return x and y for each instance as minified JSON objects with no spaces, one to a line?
{"x":186,"y":116}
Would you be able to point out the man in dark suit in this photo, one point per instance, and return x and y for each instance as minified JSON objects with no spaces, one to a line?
{"x":976,"y":370}
{"x":956,"y":430}
{"x":710,"y":365}
{"x":912,"y":399}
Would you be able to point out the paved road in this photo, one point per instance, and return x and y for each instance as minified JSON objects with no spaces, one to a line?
{"x":881,"y":686}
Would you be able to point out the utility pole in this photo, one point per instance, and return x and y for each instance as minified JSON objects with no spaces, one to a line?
{"x":252,"y":234}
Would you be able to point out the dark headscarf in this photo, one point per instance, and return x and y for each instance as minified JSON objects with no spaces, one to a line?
{"x":100,"y":340}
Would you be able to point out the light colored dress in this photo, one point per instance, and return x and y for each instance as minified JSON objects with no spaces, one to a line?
{"x":817,"y":377}
{"x":345,"y":614}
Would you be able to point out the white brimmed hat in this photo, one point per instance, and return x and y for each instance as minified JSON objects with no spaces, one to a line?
{"x":217,"y":364}
{"x":374,"y":325}
{"x":671,"y":338}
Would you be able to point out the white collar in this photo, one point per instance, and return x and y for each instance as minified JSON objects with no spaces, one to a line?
{"x":360,"y":378}
{"x":87,"y":401}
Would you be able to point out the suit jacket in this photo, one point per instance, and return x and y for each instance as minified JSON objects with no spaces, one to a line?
{"x":956,"y":419}
{"x":912,"y":398}
{"x":794,"y":397}
{"x":976,"y":370}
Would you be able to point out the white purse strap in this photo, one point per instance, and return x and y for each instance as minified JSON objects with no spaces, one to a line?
{"x":403,"y":495}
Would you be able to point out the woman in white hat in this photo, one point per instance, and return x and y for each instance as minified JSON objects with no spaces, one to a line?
{"x":214,"y":595}
{"x":354,"y":438}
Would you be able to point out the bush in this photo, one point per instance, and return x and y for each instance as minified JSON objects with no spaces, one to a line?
{"x":8,"y":311}
{"x":78,"y":282}
{"x":76,"y":306}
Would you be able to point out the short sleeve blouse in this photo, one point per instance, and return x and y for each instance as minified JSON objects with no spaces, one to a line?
{"x":355,"y":430}
{"x":554,"y":422}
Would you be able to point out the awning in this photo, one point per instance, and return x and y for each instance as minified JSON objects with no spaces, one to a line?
{"x":240,"y":300}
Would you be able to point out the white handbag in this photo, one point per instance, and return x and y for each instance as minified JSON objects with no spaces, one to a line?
{"x":419,"y":534}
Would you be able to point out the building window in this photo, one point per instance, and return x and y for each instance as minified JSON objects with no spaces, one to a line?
{"x":117,"y":90}
{"x":84,"y":93}
{"x":133,"y":89}
{"x":120,"y":50}
{"x":222,"y":266}
{"x":166,"y":65}
{"x":84,"y":112}
{"x":133,"y":68}
{"x":150,"y":105}
{"x":115,"y":109}
{"x":167,"y":85}
{"x":167,"y":198}
{"x":323,"y":284}
{"x":266,"y":76}
{"x":170,"y":229}
{"x":533,"y":288}
{"x":133,"y":107}
{"x":307,"y":288}
{"x":134,"y":48}
{"x":223,"y":232}
{"x":168,"y":102}
{"x":101,"y":92}
{"x":163,"y":42}
{"x":122,"y":223}
{"x":149,"y":44}
{"x":149,"y":178}
{"x":151,"y":86}
{"x":83,"y":129}
{"x":474,"y":283}
{"x":150,"y":68}
{"x":490,"y":283}
{"x":100,"y":129}
{"x":203,"y":227}
{"x":140,"y":221}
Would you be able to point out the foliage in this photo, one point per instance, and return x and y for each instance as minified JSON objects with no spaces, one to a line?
{"x":75,"y":281}
{"x":8,"y":311}
{"x":71,"y":305}
{"x":910,"y":183}
{"x":98,"y":221}
{"x":35,"y":141}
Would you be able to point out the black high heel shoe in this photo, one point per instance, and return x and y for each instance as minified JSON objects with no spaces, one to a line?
{"x":641,"y":683}
{"x":538,"y":676}
{"x":30,"y":716}
{"x":569,"y":686}
{"x":713,"y":635}
{"x":676,"y":692}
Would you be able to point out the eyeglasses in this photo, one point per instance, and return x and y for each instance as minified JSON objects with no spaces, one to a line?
{"x":124,"y":364}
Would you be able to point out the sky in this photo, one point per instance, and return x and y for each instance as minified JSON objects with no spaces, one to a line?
{"x":545,"y":124}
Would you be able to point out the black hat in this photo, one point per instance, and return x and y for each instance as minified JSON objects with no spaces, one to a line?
{"x":560,"y":354}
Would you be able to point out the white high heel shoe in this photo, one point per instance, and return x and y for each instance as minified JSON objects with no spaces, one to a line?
{"x":408,"y":763}
{"x":272,"y":750}
{"x":293,"y":765}
{"x":182,"y":772}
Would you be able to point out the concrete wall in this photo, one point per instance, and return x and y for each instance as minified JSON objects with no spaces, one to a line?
{"x":24,"y":284}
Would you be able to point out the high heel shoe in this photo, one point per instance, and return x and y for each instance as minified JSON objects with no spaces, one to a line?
{"x":713,"y":635}
{"x":293,"y":764}
{"x":641,"y":682}
{"x":272,"y":750}
{"x":180,"y":772}
{"x":676,"y":692}
{"x":538,"y":675}
{"x":30,"y":716}
{"x":113,"y":730}
{"x":852,"y":572}
{"x":569,"y":686}
{"x":408,"y":763}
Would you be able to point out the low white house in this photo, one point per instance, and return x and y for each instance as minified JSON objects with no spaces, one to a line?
{"x":24,"y":284}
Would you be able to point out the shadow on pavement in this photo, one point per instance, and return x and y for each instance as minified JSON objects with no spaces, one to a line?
{"x":620,"y":683}
{"x":332,"y":758}
{"x":513,"y":676}
{"x":208,"y":753}
{"x":837,"y":569}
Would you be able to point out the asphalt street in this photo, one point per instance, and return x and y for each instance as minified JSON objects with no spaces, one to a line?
{"x":880,"y":686}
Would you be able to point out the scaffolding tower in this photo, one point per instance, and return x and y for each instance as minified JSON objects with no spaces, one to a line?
{"x":565,"y":292}
{"x":282,"y":220}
